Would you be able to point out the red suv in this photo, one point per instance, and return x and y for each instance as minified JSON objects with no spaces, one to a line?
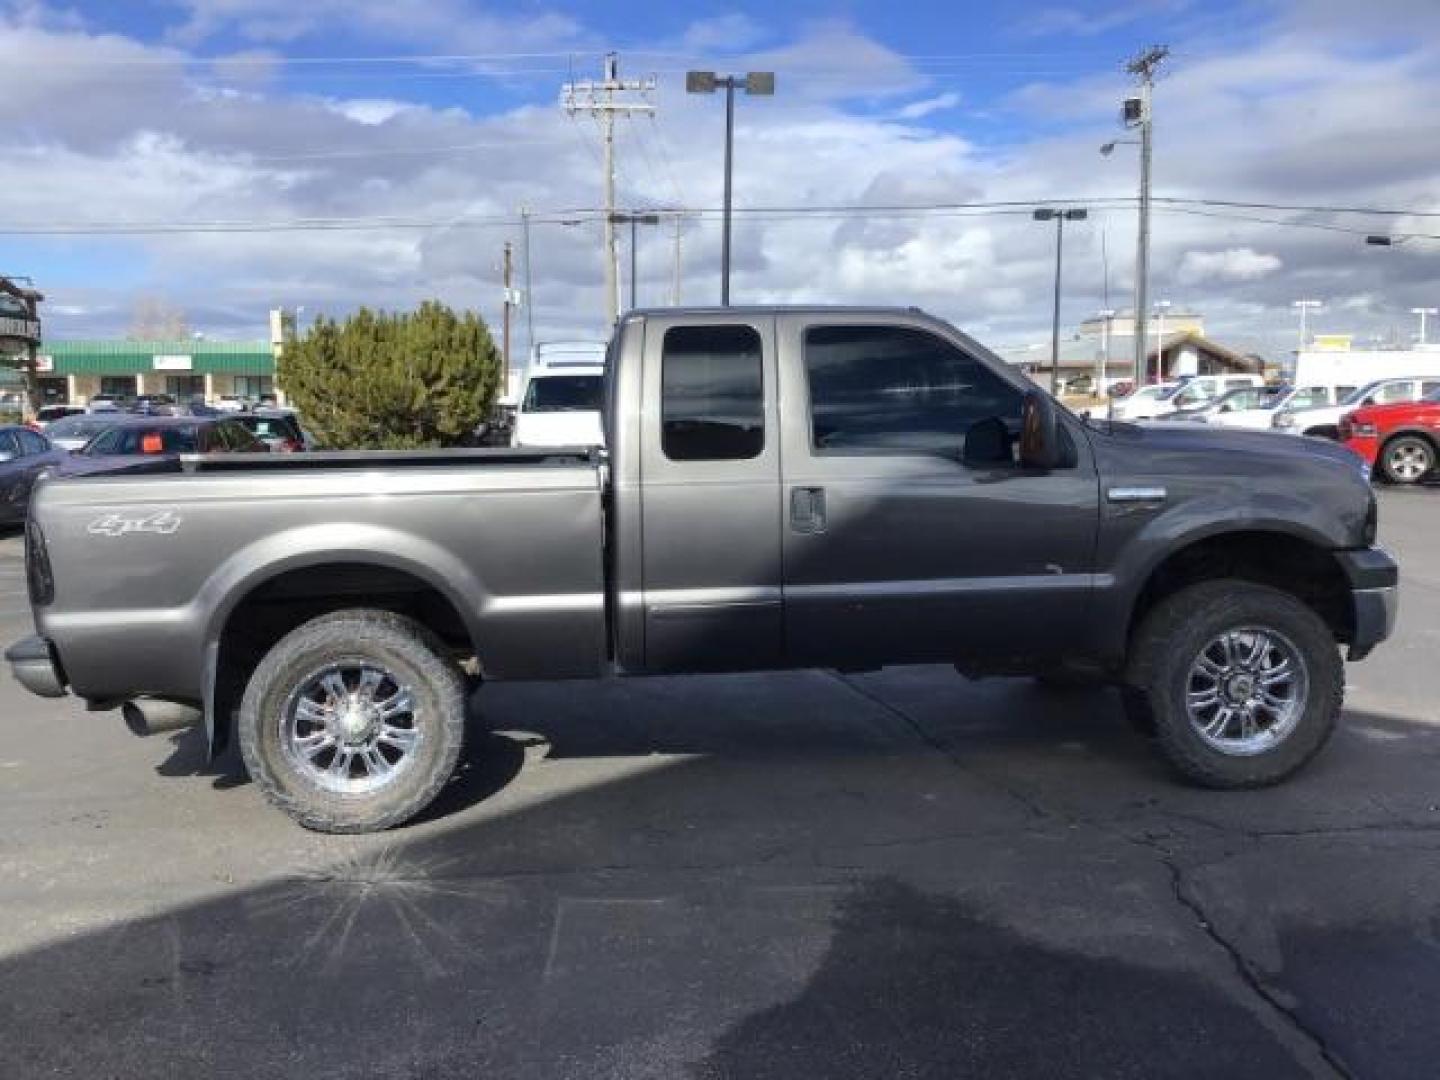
{"x":1402,"y":440}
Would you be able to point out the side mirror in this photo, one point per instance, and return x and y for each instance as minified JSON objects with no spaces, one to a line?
{"x":1042,"y":443}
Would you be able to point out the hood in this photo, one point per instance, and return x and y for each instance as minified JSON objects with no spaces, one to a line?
{"x":1160,"y":437}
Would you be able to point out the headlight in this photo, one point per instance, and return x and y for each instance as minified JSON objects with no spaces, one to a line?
{"x":1364,"y":431}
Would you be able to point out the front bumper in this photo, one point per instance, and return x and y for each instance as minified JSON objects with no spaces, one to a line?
{"x":1374,"y":597}
{"x":1367,"y":446}
{"x":35,"y":667}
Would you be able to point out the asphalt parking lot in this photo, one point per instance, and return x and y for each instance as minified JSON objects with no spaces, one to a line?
{"x":802,"y":875}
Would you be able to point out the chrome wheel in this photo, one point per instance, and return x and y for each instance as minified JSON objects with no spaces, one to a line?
{"x":1408,"y":461}
{"x":351,"y":727}
{"x":1246,"y":691}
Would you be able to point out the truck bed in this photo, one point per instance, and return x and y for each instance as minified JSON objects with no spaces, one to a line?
{"x":512,"y":540}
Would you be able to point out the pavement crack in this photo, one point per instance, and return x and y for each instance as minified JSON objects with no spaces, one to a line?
{"x":1031,"y":805}
{"x":1246,"y":969}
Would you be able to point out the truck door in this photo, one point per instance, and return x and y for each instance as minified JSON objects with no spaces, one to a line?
{"x":911,"y":533}
{"x":710,"y":490}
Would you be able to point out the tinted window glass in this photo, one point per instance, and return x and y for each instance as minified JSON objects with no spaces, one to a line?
{"x":1429,"y":388}
{"x":105,"y":443}
{"x":887,"y":388}
{"x":141,"y":440}
{"x":1401,"y":391}
{"x":8,"y":444}
{"x":563,"y":393}
{"x":32,"y":443}
{"x":712,"y":393}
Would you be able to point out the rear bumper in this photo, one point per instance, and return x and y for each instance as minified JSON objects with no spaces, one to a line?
{"x":1374,"y":597}
{"x":35,"y":667}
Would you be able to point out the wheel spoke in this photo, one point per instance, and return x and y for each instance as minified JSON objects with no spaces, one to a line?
{"x":370,"y":681}
{"x":315,"y":713}
{"x":312,"y":745}
{"x":375,"y":763}
{"x":1203,"y":699}
{"x":340,"y":763}
{"x":402,"y":739}
{"x":398,"y":704}
{"x":1209,"y":667}
{"x":1280,"y":673}
{"x":334,"y":685}
{"x":1227,"y":643}
{"x":1259,"y":647}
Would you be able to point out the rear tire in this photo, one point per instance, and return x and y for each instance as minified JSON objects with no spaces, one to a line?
{"x":354,"y":721}
{"x":1407,"y":459}
{"x":1276,"y":697}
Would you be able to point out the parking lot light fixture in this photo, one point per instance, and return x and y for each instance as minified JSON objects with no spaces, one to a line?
{"x":755,"y":84}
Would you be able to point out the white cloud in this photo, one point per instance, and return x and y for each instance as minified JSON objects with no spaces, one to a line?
{"x":917,"y":110}
{"x":368,"y":111}
{"x":1232,"y":264}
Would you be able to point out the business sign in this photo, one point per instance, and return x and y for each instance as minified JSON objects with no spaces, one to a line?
{"x":173,"y":363}
{"x":1331,"y":342}
{"x":44,"y":364}
{"x":17,"y":329}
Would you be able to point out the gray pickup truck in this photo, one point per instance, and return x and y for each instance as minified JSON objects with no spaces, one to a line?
{"x":792,"y":487}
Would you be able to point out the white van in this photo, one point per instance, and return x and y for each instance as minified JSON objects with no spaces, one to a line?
{"x":561,"y":397}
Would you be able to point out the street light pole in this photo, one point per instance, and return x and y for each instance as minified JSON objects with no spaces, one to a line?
{"x":1422,"y":312}
{"x":755,"y":83}
{"x":1059,"y":217}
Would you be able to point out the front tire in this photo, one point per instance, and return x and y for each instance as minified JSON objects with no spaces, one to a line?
{"x":354,"y":721}
{"x":1244,"y":682}
{"x":1407,"y":459}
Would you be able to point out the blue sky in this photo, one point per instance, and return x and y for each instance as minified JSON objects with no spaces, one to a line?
{"x":177,"y":112}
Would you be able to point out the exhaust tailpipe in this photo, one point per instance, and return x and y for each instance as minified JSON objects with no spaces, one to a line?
{"x":152,"y":716}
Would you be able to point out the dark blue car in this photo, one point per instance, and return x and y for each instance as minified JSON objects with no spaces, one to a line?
{"x":25,"y":456}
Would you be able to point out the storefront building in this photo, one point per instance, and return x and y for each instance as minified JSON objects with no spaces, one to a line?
{"x":74,"y":372}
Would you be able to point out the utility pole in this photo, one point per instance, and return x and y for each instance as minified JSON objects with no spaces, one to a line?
{"x":509,"y":303}
{"x":600,"y":101}
{"x":1137,"y":113}
{"x":675,"y":281}
{"x":529,"y":299}
{"x":1305,"y":307}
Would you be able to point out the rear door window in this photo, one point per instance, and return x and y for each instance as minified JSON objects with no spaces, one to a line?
{"x":712,"y":394}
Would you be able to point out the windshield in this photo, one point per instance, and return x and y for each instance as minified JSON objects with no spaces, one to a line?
{"x":1164,"y":393}
{"x":1355,"y":396}
{"x":77,"y":427}
{"x":563,"y":393}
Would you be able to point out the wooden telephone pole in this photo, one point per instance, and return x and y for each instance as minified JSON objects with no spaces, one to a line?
{"x":509,"y":269}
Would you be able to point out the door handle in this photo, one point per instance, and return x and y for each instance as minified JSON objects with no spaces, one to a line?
{"x":807,"y":509}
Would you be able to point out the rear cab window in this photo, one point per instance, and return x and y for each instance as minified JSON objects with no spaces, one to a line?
{"x":712,"y":393}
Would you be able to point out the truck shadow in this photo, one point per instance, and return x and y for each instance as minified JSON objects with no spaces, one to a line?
{"x":853,"y":903}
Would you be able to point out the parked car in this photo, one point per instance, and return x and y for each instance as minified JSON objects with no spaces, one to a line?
{"x":1250,"y":407}
{"x":1144,"y":403}
{"x":793,"y":487}
{"x":279,"y":430}
{"x":104,"y":403}
{"x":231,"y":403}
{"x":73,"y":432}
{"x":139,"y":437}
{"x":1401,"y":441}
{"x":48,"y":414}
{"x":1325,"y":422}
{"x":25,"y":457}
